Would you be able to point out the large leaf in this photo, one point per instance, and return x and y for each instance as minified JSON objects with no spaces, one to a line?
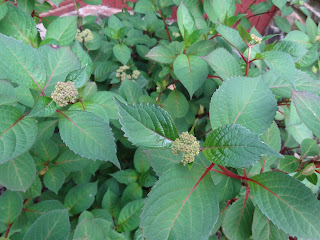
{"x":288,"y":203}
{"x":19,"y":173}
{"x":26,"y":66}
{"x":17,"y":133}
{"x":129,"y":216}
{"x":20,"y":25}
{"x":192,"y":71}
{"x":264,"y":229}
{"x":53,"y":225}
{"x":10,"y":206}
{"x":238,"y":220}
{"x":218,"y":10}
{"x":308,"y":108}
{"x":235,"y":146}
{"x":161,"y":54}
{"x":178,"y":207}
{"x":147,"y":125}
{"x":59,"y":62}
{"x":63,"y":29}
{"x":80,"y":197}
{"x":223,"y":63}
{"x":244,"y":101}
{"x":88,"y":135}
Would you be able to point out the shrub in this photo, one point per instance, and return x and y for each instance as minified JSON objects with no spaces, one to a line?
{"x":137,"y":128}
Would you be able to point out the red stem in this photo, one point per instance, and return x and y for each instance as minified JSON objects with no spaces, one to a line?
{"x":210,"y":76}
{"x":8,"y":230}
{"x":165,"y":25}
{"x":216,"y":35}
{"x":248,"y":61}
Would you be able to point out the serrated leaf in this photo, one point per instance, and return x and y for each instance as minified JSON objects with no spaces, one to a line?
{"x":88,"y":135}
{"x":80,"y":197}
{"x":192,"y":71}
{"x":17,"y":133}
{"x":71,"y":162}
{"x":63,"y":29}
{"x":129,"y":216}
{"x":308,"y":108}
{"x":264,"y":229}
{"x":78,"y":77}
{"x":201,"y":48}
{"x":232,"y":36}
{"x":245,"y":101}
{"x":161,"y":54}
{"x":26,"y":68}
{"x":288,"y":203}
{"x":126,"y":176}
{"x":144,"y":6}
{"x":34,"y":190}
{"x":238,"y":220}
{"x":130,"y":91}
{"x":122,"y":53}
{"x":171,"y":209}
{"x":20,"y":25}
{"x":46,"y":149}
{"x":10,"y":206}
{"x":44,"y":107}
{"x":84,"y":58}
{"x":54,"y":178}
{"x":296,"y":50}
{"x":53,"y":225}
{"x":147,"y":125}
{"x":19,"y":173}
{"x":235,"y":146}
{"x":223,"y":63}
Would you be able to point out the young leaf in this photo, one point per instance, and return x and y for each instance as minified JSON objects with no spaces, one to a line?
{"x":17,"y":133}
{"x":238,"y":220}
{"x":80,"y":197}
{"x":244,"y":101}
{"x":111,"y":203}
{"x":147,"y":125}
{"x":63,"y":29}
{"x":88,"y":135}
{"x":289,"y":164}
{"x":26,"y":67}
{"x":296,"y":50}
{"x":218,"y":10}
{"x":232,"y":36}
{"x":186,"y":209}
{"x":235,"y":146}
{"x":288,"y":203}
{"x":126,"y":176}
{"x":192,"y":71}
{"x":54,"y":178}
{"x":53,"y":225}
{"x":140,"y":160}
{"x":308,"y":108}
{"x":129,"y":216}
{"x":44,"y":107}
{"x":223,"y":63}
{"x":122,"y":53}
{"x":10,"y":206}
{"x":19,"y":173}
{"x":185,"y":21}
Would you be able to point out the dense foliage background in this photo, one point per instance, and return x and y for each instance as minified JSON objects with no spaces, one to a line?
{"x":140,"y":127}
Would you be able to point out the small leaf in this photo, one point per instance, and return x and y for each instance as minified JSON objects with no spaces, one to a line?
{"x":140,"y":160}
{"x":235,"y":146}
{"x":78,"y":77}
{"x":44,"y":107}
{"x":54,"y":179}
{"x":90,"y":229}
{"x":282,"y":23}
{"x":232,"y":36}
{"x":126,"y":176}
{"x":185,"y":21}
{"x":129,"y":216}
{"x":218,"y":10}
{"x":288,"y":203}
{"x":279,"y":3}
{"x":10,"y":206}
{"x":111,"y":203}
{"x":39,"y":209}
{"x":309,"y":147}
{"x":122,"y":53}
{"x":71,"y":162}
{"x":147,"y":125}
{"x":144,"y":6}
{"x":53,"y":225}
{"x":289,"y":164}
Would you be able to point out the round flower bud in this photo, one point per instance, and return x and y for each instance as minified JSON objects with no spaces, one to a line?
{"x":64,"y":93}
{"x":255,"y":38}
{"x":309,"y":169}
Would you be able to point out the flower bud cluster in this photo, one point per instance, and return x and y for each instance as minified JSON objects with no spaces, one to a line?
{"x":188,"y":145}
{"x":318,"y":38}
{"x":65,"y":93}
{"x":255,"y":38}
{"x":86,"y":35}
{"x":121,"y":73}
{"x":176,"y":34}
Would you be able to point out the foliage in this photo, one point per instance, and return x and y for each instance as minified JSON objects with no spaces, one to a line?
{"x":137,"y":127}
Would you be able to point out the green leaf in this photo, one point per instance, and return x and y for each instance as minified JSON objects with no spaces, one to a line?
{"x":299,"y":37}
{"x":131,"y":91}
{"x":312,"y":29}
{"x":63,"y":29}
{"x":126,"y":176}
{"x":232,"y":36}
{"x":279,"y":3}
{"x":93,"y":2}
{"x":34,"y":190}
{"x":192,"y":71}
{"x":185,"y":21}
{"x":91,"y":229}
{"x":282,"y":23}
{"x":161,"y":54}
{"x":122,"y":53}
{"x":223,"y":63}
{"x":80,"y":197}
{"x":264,"y":229}
{"x":3,"y":10}
{"x":53,"y":225}
{"x":10,"y":206}
{"x":275,"y":60}
{"x":218,"y":10}
{"x":201,"y":48}
{"x":71,"y":162}
{"x":308,"y":108}
{"x":140,"y":160}
{"x":18,"y":174}
{"x":171,"y":209}
{"x":54,"y":178}
{"x":252,"y":104}
{"x":46,"y":149}
{"x":78,"y":77}
{"x":238,"y":220}
{"x":296,"y":50}
{"x":26,"y":66}
{"x":144,"y":6}
{"x":147,"y":125}
{"x":88,"y":135}
{"x":309,"y":147}
{"x":289,"y":164}
{"x":129,"y":216}
{"x":111,"y":203}
{"x":20,"y":25}
{"x":288,"y":203}
{"x":235,"y":146}
{"x":84,"y":58}
{"x":44,"y":107}
{"x":132,"y":192}
{"x":57,"y":2}
{"x":17,"y":133}
{"x":59,"y":62}
{"x":26,"y":5}
{"x":176,"y":104}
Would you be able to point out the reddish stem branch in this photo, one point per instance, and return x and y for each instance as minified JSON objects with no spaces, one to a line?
{"x":210,"y":76}
{"x":165,"y":25}
{"x":248,"y":61}
{"x":8,"y":230}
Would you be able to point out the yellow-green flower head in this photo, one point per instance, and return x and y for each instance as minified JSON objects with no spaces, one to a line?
{"x":188,"y":145}
{"x":255,"y":38}
{"x":65,"y":93}
{"x":86,"y":35}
